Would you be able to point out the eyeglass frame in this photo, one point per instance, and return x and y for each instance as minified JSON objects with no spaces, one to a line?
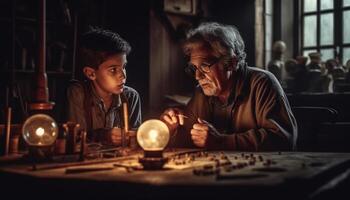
{"x":191,"y":68}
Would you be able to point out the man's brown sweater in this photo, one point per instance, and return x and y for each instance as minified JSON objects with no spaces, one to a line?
{"x":256,"y":117}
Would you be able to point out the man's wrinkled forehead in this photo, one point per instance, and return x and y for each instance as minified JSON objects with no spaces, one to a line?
{"x":200,"y":49}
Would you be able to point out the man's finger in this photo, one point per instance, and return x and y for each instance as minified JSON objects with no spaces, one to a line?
{"x":170,"y":112}
{"x":200,"y":120}
{"x":198,"y":138}
{"x":174,"y":119}
{"x":199,"y":144}
{"x":194,"y":138}
{"x":203,"y":127}
{"x":168,"y":119}
{"x":198,"y":132}
{"x":181,"y":119}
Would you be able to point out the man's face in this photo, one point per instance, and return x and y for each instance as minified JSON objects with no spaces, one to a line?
{"x":212,"y":83}
{"x":111,"y":74}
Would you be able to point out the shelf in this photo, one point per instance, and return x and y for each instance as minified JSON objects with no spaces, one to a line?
{"x":21,"y":41}
{"x":21,"y":71}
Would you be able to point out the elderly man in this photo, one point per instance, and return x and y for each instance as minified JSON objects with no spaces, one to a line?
{"x":235,"y":107}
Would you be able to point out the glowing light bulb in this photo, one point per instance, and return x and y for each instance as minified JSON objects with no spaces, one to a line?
{"x":40,"y":132}
{"x":153,"y":135}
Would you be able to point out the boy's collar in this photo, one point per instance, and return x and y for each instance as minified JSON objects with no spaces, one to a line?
{"x":116,"y":100}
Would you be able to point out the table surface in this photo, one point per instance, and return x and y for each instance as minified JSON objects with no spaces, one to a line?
{"x":190,"y":172}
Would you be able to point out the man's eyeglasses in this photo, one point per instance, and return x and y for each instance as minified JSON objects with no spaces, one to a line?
{"x":204,"y":68}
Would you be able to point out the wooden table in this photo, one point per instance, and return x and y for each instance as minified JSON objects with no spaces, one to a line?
{"x":197,"y":175}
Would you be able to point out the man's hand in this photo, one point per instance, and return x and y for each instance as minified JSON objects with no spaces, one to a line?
{"x":199,"y":133}
{"x":115,"y":136}
{"x":172,"y":117}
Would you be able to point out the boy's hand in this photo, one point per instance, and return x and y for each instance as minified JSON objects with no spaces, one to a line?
{"x":115,"y":136}
{"x":172,"y":117}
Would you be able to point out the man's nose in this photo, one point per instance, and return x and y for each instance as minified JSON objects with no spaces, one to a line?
{"x":199,"y":75}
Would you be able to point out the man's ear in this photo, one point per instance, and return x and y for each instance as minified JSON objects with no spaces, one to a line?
{"x":231,"y":64}
{"x":235,"y":63}
{"x":89,"y":73}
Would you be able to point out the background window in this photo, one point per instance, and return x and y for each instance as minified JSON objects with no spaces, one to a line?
{"x":326,"y":4}
{"x":268,"y":30}
{"x":326,"y":28}
{"x":310,"y":5}
{"x":346,"y":3}
{"x":346,"y":54}
{"x":346,"y":26}
{"x":310,"y":31}
{"x":327,"y":54}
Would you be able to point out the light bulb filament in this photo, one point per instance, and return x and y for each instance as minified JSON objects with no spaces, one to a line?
{"x":153,"y":136}
{"x":40,"y":132}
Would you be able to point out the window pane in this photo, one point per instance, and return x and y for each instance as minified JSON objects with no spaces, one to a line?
{"x":268,"y":37}
{"x":310,"y":5}
{"x":327,"y":29}
{"x":346,"y":54}
{"x":346,"y":3}
{"x":268,"y":32}
{"x":327,"y":54}
{"x":326,"y":4}
{"x":310,"y":31}
{"x":346,"y":26}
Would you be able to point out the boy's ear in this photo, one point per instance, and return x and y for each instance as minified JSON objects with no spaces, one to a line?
{"x":89,"y":73}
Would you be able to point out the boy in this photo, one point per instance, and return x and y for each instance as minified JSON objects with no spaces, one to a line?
{"x":96,"y":103}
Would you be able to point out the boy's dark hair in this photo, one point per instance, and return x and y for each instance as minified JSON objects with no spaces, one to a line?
{"x":98,"y":44}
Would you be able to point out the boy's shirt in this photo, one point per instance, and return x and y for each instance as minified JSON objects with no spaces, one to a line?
{"x":100,"y":117}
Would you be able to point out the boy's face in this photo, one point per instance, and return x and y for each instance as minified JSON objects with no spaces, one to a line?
{"x":110,"y":76}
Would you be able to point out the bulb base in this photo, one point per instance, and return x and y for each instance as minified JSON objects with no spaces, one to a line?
{"x":39,"y":154}
{"x":153,"y":160}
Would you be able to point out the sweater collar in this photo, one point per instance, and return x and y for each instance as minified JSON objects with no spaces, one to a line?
{"x":116,"y":99}
{"x":239,"y":89}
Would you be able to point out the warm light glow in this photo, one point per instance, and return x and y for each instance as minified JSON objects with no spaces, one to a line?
{"x":40,"y":132}
{"x":153,"y":135}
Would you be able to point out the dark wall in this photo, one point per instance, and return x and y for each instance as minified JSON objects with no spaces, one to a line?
{"x":131,"y":20}
{"x":240,"y":14}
